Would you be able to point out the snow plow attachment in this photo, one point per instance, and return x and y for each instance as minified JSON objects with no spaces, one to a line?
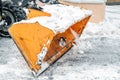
{"x":40,"y":45}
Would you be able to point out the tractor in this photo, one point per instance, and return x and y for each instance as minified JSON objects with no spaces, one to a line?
{"x":12,"y":11}
{"x":9,"y":14}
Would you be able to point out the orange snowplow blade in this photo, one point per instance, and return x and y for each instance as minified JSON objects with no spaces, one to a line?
{"x":40,"y":46}
{"x":35,"y":13}
{"x":30,"y":38}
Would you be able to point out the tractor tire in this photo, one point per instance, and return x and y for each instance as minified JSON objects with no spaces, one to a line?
{"x":11,"y":13}
{"x":44,"y":1}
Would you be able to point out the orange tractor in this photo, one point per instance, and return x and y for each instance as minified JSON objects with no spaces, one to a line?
{"x":40,"y":45}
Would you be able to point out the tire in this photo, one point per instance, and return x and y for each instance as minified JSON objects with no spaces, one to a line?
{"x":45,"y":1}
{"x":11,"y":13}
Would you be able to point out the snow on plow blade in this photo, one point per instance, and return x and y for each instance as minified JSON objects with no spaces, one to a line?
{"x":41,"y":46}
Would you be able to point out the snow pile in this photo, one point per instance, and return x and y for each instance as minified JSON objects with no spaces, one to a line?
{"x":86,"y":1}
{"x":109,"y":28}
{"x":61,"y":18}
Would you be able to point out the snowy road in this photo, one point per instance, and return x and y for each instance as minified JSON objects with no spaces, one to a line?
{"x":97,"y":57}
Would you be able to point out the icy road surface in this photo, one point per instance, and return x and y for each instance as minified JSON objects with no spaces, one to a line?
{"x":96,"y":57}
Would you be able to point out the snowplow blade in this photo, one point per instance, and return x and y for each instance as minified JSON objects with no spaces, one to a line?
{"x":40,"y":46}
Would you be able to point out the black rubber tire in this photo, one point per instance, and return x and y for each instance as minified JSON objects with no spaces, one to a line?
{"x":45,"y":1}
{"x":16,"y":13}
{"x":16,"y":10}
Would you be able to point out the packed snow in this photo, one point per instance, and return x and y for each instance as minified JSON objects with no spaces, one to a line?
{"x":86,"y":1}
{"x":96,"y":57}
{"x":61,"y":18}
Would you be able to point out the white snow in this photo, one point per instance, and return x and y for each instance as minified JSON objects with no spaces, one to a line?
{"x":61,"y":18}
{"x":42,"y":54}
{"x":100,"y":58}
{"x":86,"y":1}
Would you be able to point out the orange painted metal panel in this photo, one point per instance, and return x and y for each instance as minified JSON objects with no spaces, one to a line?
{"x":31,"y":38}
